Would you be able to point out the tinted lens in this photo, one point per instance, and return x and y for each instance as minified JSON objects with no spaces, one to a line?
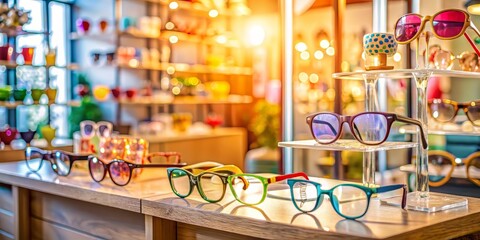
{"x":305,"y":196}
{"x":61,"y":163}
{"x":96,"y":168}
{"x":350,"y":201}
{"x":180,"y":181}
{"x":442,"y":112}
{"x":449,"y":24}
{"x":33,"y":159}
{"x":325,"y":127}
{"x":119,"y":172}
{"x":438,"y":167}
{"x":253,"y":194}
{"x":370,"y":128}
{"x":473,"y":113}
{"x":407,"y":27}
{"x":104,"y":130}
{"x":212,"y":186}
{"x":87,"y":130}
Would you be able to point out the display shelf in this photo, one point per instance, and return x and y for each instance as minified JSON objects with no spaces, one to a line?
{"x":15,"y":33}
{"x":106,"y":36}
{"x":413,"y":130}
{"x":347,"y":145}
{"x":435,"y":202}
{"x":186,"y":68}
{"x":15,"y":104}
{"x":237,"y":99}
{"x":12,"y":65}
{"x":404,"y":73}
{"x":196,"y":8}
{"x":458,"y":171}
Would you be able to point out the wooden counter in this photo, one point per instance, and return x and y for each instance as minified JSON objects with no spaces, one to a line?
{"x":45,"y":206}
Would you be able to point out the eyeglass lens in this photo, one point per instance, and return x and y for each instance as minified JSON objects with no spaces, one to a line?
{"x":474,"y":169}
{"x":211,"y":186}
{"x":104,"y":130}
{"x":253,"y":194}
{"x":88,"y":130}
{"x":180,"y":182}
{"x":119,"y":172}
{"x":34,"y":159}
{"x":438,"y":167}
{"x":407,"y":27}
{"x":61,"y":163}
{"x":350,"y":201}
{"x":97,"y":169}
{"x":449,"y":23}
{"x":305,"y":196}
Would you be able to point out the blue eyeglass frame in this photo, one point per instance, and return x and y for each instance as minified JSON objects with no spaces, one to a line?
{"x":334,"y":201}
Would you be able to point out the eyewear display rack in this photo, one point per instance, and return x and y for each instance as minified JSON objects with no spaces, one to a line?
{"x":421,"y":199}
{"x":161,"y":8}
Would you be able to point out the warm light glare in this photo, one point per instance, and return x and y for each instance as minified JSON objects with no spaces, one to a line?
{"x":330,"y":51}
{"x":474,"y":9}
{"x":169,"y":26}
{"x":133,"y":63}
{"x":303,"y":77}
{"x":305,"y":55}
{"x":173,"y":5}
{"x":397,"y":57}
{"x":170,"y":70}
{"x":173,"y":39}
{"x":256,"y":35}
{"x":324,"y":44}
{"x":318,"y":55}
{"x":345,"y":66}
{"x":213,"y":13}
{"x":221,"y":39}
{"x":176,"y":90}
{"x":364,"y":56}
{"x":301,"y":46}
{"x":314,"y":78}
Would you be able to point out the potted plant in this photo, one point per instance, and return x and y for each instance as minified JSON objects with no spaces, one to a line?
{"x":264,"y":155}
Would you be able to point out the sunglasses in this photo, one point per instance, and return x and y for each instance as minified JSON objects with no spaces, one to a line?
{"x":445,"y":110}
{"x":441,"y":165}
{"x":350,"y":201}
{"x":211,"y":184}
{"x":256,"y":192}
{"x":110,"y":56}
{"x":446,"y":25}
{"x":61,"y":161}
{"x":121,"y":171}
{"x":369,"y":128}
{"x":88,"y":129}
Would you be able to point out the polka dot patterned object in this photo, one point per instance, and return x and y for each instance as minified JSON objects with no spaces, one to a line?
{"x":375,"y":43}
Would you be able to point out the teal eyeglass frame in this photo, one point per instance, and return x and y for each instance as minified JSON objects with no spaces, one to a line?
{"x":334,"y":201}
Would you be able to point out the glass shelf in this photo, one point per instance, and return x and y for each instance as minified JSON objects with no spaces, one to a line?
{"x":347,"y":145}
{"x":434,"y":203}
{"x":404,"y":73}
{"x":458,"y":171}
{"x":237,"y":99}
{"x":186,"y":68}
{"x":414,"y":130}
{"x":12,"y":65}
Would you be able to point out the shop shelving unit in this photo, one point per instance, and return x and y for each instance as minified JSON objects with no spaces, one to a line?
{"x":154,"y":7}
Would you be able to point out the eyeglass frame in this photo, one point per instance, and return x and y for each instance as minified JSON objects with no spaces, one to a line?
{"x":265,"y":182}
{"x":194,"y":179}
{"x":390,"y":117}
{"x":130,"y":165}
{"x":95,"y":130}
{"x":48,"y":156}
{"x":457,"y":105}
{"x":451,"y":157}
{"x":428,"y":18}
{"x":329,"y":192}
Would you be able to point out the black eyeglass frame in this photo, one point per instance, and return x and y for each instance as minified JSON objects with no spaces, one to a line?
{"x":50,"y":156}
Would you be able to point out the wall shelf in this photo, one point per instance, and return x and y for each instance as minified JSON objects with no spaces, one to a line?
{"x":347,"y":145}
{"x":237,"y":99}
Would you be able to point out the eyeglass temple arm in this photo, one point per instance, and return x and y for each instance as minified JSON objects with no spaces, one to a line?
{"x":287,"y":176}
{"x":326,"y":123}
{"x":395,"y":187}
{"x":415,"y":122}
{"x":76,"y":157}
{"x":469,"y":39}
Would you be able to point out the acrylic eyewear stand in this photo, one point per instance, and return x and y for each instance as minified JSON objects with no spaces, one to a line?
{"x":421,"y":199}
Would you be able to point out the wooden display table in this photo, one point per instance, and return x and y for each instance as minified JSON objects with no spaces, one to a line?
{"x":224,"y":145}
{"x":45,"y":206}
{"x":16,"y":151}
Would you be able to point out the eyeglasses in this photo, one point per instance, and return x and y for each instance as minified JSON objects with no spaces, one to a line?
{"x":61,"y":161}
{"x":441,"y":165}
{"x":445,"y":110}
{"x":255,"y":193}
{"x":350,"y":201}
{"x":446,"y":25}
{"x":211,"y":184}
{"x":88,"y":129}
{"x":370,"y":128}
{"x":110,"y":56}
{"x":443,"y":59}
{"x":121,"y":171}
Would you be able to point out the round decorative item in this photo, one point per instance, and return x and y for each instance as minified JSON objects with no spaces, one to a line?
{"x":5,"y":93}
{"x":19,"y":94}
{"x":8,"y":135}
{"x":469,"y":61}
{"x":103,"y":25}
{"x":51,"y":94}
{"x":48,"y":133}
{"x":379,"y":46}
{"x":131,"y":93}
{"x":116,"y":92}
{"x":443,"y":59}
{"x":101,"y":93}
{"x":37,"y":94}
{"x":83,"y":25}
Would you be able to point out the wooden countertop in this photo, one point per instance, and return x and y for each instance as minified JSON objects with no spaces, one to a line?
{"x":275,"y":218}
{"x":172,"y":137}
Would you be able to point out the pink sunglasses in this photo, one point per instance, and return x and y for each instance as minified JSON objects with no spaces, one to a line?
{"x":447,"y":24}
